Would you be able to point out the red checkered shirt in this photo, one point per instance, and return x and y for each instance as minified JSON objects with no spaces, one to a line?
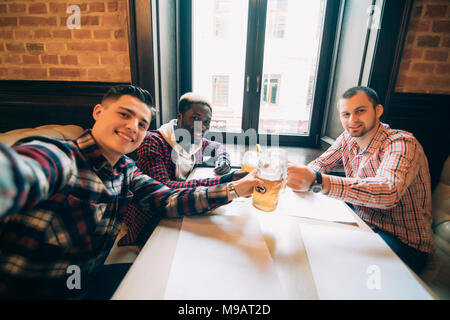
{"x":62,"y":204}
{"x":388,"y":183}
{"x":154,"y":159}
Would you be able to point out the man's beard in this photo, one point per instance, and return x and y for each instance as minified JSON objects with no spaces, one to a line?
{"x":363,"y":132}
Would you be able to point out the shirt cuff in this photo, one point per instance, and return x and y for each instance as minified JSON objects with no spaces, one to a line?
{"x":226,"y":178}
{"x":336,"y":190}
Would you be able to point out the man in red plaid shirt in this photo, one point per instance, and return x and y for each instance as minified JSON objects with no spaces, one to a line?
{"x":166,"y":159}
{"x":387,"y":177}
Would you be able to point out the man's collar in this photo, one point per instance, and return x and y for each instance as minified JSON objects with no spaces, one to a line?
{"x":373,"y":144}
{"x":377,"y":138}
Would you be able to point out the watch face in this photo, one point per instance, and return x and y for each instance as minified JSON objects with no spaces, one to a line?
{"x":316,"y":188}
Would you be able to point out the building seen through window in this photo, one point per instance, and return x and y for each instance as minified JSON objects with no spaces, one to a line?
{"x":278,"y":10}
{"x":221,"y":17}
{"x":270,"y":90}
{"x":220,"y":90}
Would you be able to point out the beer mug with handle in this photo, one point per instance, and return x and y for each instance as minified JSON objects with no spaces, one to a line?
{"x":271,"y":169}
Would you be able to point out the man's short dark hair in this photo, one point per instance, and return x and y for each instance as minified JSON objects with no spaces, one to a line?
{"x":188,"y":99}
{"x":127,"y":89}
{"x":371,"y":94}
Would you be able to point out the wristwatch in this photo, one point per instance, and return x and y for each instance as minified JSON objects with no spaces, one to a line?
{"x":232,"y":191}
{"x":316,"y":186}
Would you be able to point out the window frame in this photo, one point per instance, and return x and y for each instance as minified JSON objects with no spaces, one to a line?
{"x":257,"y":15}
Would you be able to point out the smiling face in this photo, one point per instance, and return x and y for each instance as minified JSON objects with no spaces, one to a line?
{"x":196,"y":113}
{"x":358,"y":115}
{"x":120,"y":126}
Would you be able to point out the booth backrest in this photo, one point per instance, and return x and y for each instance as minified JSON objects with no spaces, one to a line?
{"x":441,"y":210}
{"x":53,"y":130}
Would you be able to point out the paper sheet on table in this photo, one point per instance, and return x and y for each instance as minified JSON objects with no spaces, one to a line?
{"x":314,"y":206}
{"x":222,"y":257}
{"x":350,"y":264}
{"x":299,"y":204}
{"x":305,"y":205}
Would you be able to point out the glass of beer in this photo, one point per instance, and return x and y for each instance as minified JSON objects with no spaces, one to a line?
{"x":271,"y":171}
{"x":249,"y":161}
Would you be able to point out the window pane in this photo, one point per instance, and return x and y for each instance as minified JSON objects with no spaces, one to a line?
{"x":279,"y":4}
{"x":220,"y":90}
{"x":293,"y":31}
{"x":264,"y":93}
{"x":273,"y":97}
{"x":219,"y":32}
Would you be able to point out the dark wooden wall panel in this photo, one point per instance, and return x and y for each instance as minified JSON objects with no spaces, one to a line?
{"x":34,"y":103}
{"x":427,"y":116}
{"x":37,"y":114}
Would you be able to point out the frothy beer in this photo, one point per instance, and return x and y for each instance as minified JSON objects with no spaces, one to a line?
{"x":247,"y":168}
{"x":249,"y":161}
{"x":270,"y":171}
{"x":265,"y":198}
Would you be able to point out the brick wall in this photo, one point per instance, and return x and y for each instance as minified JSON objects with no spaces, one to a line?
{"x":425,"y":64}
{"x":37,"y":44}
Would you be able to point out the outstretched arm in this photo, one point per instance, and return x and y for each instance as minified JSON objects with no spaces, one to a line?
{"x":152,"y":199}
{"x":331,"y":158}
{"x":398,"y":168}
{"x":32,"y":172}
{"x":395,"y":174}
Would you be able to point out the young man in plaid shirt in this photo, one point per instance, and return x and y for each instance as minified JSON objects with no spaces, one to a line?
{"x":168,"y":160}
{"x":387,"y":177}
{"x":62,"y":202}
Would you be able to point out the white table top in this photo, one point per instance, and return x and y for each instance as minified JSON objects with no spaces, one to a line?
{"x":150,"y":273}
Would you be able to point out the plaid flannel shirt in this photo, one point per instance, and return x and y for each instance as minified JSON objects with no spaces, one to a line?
{"x":154,"y":159}
{"x":388,"y":183}
{"x":62,"y":204}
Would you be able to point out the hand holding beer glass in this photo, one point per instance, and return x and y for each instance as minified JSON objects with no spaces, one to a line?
{"x":270,"y":170}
